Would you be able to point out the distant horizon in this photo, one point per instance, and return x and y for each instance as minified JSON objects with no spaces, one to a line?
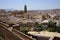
{"x":31,"y":4}
{"x":28,"y":10}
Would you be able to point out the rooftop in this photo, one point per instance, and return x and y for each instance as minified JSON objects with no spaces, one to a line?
{"x":45,"y":34}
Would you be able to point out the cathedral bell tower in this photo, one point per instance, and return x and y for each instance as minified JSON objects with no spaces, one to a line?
{"x":25,"y":9}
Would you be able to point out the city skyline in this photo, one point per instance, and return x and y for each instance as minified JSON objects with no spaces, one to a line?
{"x":31,"y":4}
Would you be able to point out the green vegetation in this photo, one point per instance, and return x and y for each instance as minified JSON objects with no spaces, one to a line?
{"x":38,"y":27}
{"x":24,"y":29}
{"x":1,"y":38}
{"x":58,"y":29}
{"x":51,"y":26}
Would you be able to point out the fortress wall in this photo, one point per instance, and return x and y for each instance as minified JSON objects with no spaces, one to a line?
{"x":7,"y":35}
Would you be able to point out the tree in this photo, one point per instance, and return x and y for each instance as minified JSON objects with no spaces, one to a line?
{"x":52,"y":26}
{"x":58,"y":29}
{"x":38,"y":27}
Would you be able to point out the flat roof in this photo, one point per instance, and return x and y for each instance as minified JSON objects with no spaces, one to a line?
{"x":44,"y":34}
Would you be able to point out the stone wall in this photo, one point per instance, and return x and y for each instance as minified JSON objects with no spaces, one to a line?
{"x":8,"y":35}
{"x":12,"y":34}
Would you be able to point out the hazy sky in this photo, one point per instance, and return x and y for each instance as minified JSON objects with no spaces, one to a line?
{"x":31,"y":4}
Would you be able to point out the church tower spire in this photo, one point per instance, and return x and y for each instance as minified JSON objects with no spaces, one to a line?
{"x":25,"y":8}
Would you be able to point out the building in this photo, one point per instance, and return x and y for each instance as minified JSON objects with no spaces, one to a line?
{"x":45,"y":35}
{"x":25,"y":9}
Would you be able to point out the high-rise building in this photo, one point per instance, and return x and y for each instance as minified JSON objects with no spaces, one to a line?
{"x":25,"y":9}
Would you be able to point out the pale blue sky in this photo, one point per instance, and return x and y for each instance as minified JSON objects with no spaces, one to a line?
{"x":31,"y":4}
